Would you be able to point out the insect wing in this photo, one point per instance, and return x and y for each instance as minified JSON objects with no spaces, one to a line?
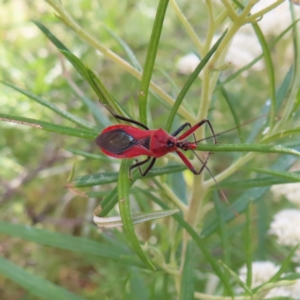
{"x":115,"y":141}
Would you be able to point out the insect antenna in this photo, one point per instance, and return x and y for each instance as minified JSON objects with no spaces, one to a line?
{"x":231,"y":129}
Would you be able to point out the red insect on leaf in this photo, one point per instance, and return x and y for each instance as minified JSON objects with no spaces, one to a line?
{"x":126,"y":141}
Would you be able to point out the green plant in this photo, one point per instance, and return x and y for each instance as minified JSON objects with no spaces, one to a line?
{"x":169,"y":267}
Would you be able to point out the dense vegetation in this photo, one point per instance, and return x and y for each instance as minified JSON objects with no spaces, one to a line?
{"x":162,"y":63}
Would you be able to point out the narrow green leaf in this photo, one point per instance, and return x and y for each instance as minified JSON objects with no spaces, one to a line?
{"x":290,"y":102}
{"x":102,"y":92}
{"x":222,"y":229}
{"x":82,"y":133}
{"x":263,"y":215}
{"x":282,"y":134}
{"x":188,"y":275}
{"x":127,"y":49}
{"x":139,"y":288}
{"x":68,"y":242}
{"x":108,"y":177}
{"x":53,"y":107}
{"x":124,"y":206}
{"x":76,"y":63}
{"x":50,"y":36}
{"x":230,"y":103}
{"x":237,"y":279}
{"x":254,"y":183}
{"x":150,"y":58}
{"x":95,"y":179}
{"x":247,"y":148}
{"x":284,"y":88}
{"x":34,"y":284}
{"x":92,"y":155}
{"x":291,"y":176}
{"x":95,"y":194}
{"x":293,"y":276}
{"x":248,"y":246}
{"x":201,"y":243}
{"x":260,"y":124}
{"x":252,"y":195}
{"x":190,"y":81}
{"x":297,"y":103}
{"x":109,"y":202}
{"x":283,"y":268}
{"x":270,"y":70}
{"x":98,"y":115}
{"x":112,"y":222}
{"x":93,"y":80}
{"x":259,"y":57}
{"x":284,"y":265}
{"x":90,"y":104}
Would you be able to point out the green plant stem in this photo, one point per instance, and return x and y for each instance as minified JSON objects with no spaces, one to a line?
{"x":203,"y":296}
{"x":261,"y":13}
{"x":196,"y":202}
{"x":221,"y":17}
{"x":112,"y":56}
{"x":211,"y":27}
{"x":185,"y":23}
{"x":210,"y":11}
{"x":166,"y":188}
{"x":208,"y":84}
{"x":230,"y":11}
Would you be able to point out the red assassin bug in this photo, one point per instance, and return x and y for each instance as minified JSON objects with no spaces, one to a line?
{"x":125,"y":141}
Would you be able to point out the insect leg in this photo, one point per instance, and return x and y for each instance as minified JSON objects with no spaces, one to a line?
{"x":124,"y":118}
{"x":189,"y":164}
{"x":195,"y":127}
{"x":177,"y":131}
{"x":138,"y":164}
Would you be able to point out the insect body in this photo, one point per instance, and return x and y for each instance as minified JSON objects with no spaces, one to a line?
{"x":125,"y":141}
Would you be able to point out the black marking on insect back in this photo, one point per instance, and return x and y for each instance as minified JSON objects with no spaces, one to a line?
{"x":146,"y":142}
{"x":115,"y":141}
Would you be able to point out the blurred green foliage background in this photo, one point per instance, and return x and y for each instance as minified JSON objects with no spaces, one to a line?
{"x":35,"y":165}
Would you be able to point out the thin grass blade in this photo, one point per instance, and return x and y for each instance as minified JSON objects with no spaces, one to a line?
{"x":248,"y":246}
{"x":50,"y":36}
{"x":247,"y":148}
{"x":68,"y":242}
{"x":81,"y":133}
{"x":34,"y":284}
{"x":190,"y":81}
{"x":229,"y":101}
{"x":127,"y":49}
{"x":124,"y":206}
{"x":56,"y":109}
{"x":112,"y":222}
{"x":259,"y":57}
{"x":199,"y":242}
{"x":251,"y":195}
{"x":150,"y":59}
{"x":104,"y":178}
{"x":91,"y":155}
{"x":222,"y":229}
{"x":188,"y":275}
{"x":270,"y":70}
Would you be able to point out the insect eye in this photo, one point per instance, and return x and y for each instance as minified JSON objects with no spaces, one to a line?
{"x":170,"y":143}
